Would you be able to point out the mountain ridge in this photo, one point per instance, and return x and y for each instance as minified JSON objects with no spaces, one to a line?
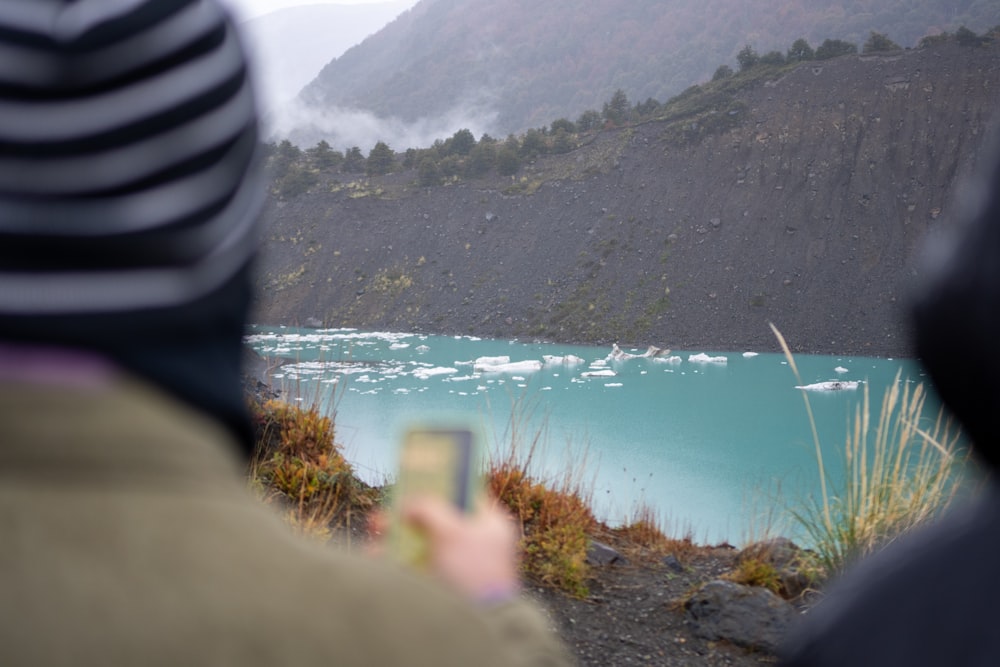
{"x":807,"y":210}
{"x":516,"y":65}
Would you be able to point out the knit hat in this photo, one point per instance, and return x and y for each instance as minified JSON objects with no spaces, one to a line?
{"x":957,"y":316}
{"x":129,"y":188}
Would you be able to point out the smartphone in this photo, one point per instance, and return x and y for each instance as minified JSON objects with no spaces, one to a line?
{"x":437,"y":461}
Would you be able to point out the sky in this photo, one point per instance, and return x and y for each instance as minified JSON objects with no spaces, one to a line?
{"x":247,"y":9}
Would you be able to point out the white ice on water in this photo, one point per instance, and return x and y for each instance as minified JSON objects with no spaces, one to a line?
{"x":830,"y":385}
{"x":702,"y":358}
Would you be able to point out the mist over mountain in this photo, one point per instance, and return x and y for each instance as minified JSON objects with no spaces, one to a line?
{"x":502,"y":67}
{"x":290,"y":46}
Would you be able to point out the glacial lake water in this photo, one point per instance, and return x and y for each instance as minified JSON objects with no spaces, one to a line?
{"x":718,"y":443}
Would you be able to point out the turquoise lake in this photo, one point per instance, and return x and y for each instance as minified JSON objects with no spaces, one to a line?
{"x":718,"y":443}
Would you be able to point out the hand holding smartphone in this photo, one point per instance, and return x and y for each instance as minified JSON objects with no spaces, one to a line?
{"x":433,"y":461}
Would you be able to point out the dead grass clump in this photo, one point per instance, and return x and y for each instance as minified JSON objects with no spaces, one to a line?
{"x":644,"y":536}
{"x":298,"y":465}
{"x":756,"y":572}
{"x":556,"y":521}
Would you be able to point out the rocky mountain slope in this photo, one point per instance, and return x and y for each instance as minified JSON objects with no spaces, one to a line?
{"x":800,"y":200}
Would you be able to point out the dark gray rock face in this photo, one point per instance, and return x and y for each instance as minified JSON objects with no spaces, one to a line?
{"x":747,"y":616}
{"x":807,"y":209}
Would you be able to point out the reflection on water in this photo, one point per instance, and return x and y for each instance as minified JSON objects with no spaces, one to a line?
{"x":709,"y":439}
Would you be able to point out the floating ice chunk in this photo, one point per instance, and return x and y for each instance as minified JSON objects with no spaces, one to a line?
{"x":613,"y":384}
{"x":492,"y":361}
{"x":674,"y":359}
{"x":830,"y":385}
{"x":839,"y":369}
{"x":603,"y":373}
{"x":703,"y":358}
{"x":399,"y":346}
{"x":425,"y":373}
{"x":527,"y":366}
{"x":617,"y":354}
{"x":749,"y":355}
{"x":555,"y":360}
{"x":422,"y":348}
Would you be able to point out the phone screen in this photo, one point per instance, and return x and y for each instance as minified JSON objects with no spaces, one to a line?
{"x":432,"y":461}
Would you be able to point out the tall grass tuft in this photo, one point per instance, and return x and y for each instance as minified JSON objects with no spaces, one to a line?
{"x":555,"y":515}
{"x":298,"y":465}
{"x":898,"y":474}
{"x":645,"y":534}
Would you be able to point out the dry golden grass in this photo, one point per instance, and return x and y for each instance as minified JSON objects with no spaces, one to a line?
{"x":645,"y":535}
{"x":555,"y":520}
{"x":900,"y":473}
{"x":554,"y":514}
{"x":298,"y":465}
{"x":756,"y":572}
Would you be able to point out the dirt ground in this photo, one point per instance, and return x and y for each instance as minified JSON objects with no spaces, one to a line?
{"x":635,"y":614}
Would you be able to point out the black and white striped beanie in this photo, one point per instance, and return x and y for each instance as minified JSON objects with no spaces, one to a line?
{"x":129,"y":188}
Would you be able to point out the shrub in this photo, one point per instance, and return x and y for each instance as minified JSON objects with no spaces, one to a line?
{"x":589,"y":120}
{"x":563,"y":124}
{"x":428,"y":174}
{"x":354,"y":161}
{"x":831,"y":48}
{"x":747,"y":58}
{"x":723,"y":72}
{"x":295,"y":181}
{"x":508,"y":161}
{"x":877,"y":42}
{"x":966,"y":37}
{"x":296,"y":463}
{"x":772,"y":58}
{"x":380,"y":160}
{"x":554,"y":515}
{"x":555,"y":524}
{"x":800,"y":50}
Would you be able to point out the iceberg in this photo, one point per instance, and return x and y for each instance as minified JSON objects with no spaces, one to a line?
{"x":604,"y":373}
{"x":830,"y":385}
{"x":617,"y":354}
{"x":703,"y":358}
{"x":527,"y":366}
{"x":425,"y":373}
{"x":568,"y":360}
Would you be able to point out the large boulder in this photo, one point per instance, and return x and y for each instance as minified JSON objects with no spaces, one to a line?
{"x":748,"y":616}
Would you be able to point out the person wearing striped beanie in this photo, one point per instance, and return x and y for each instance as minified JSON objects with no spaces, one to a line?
{"x":129,"y":190}
{"x":129,"y":196}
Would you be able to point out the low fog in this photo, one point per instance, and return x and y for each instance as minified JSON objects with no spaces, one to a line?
{"x":305,"y":126}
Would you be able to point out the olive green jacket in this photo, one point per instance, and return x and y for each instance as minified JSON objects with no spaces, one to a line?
{"x":127,"y":537}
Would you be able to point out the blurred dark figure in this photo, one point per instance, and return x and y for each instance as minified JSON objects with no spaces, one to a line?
{"x":129,"y":194}
{"x":933,"y":598}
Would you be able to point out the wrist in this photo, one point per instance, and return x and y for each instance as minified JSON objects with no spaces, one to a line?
{"x":497,"y":594}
